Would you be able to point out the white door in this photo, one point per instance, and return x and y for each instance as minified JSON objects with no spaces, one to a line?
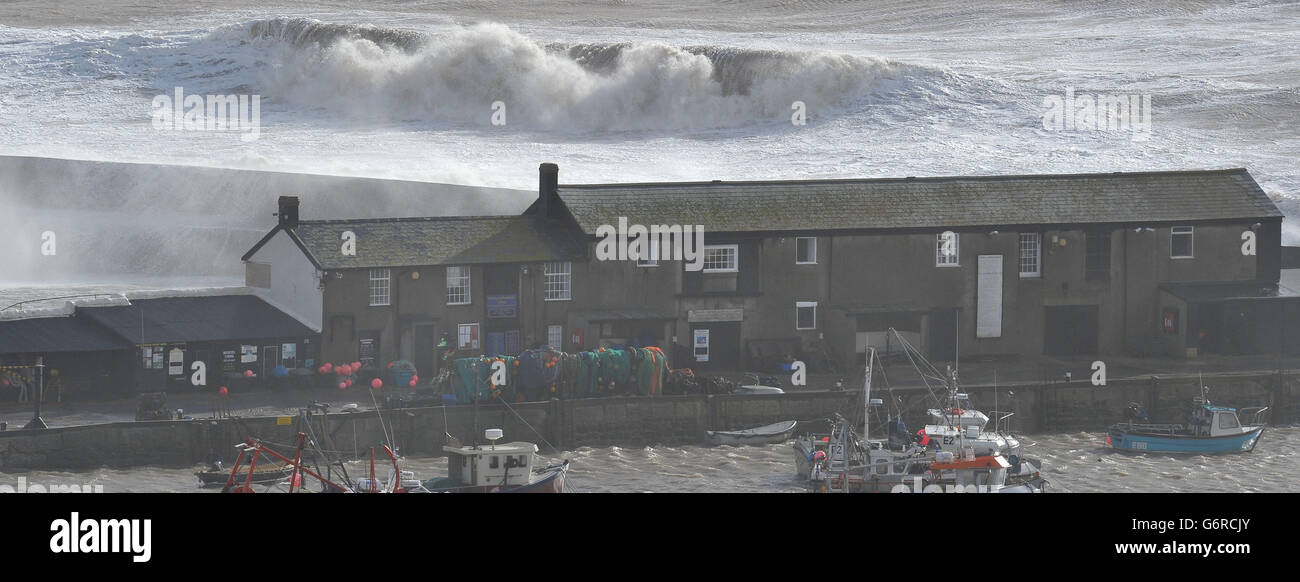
{"x":988,"y":312}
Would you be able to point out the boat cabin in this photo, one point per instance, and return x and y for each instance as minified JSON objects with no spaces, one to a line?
{"x":960,"y":413}
{"x":494,"y":465}
{"x":1210,"y":420}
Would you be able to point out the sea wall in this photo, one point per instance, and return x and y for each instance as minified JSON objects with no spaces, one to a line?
{"x":630,"y":421}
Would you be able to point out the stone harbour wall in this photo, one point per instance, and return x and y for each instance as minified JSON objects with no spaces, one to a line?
{"x":622,"y":421}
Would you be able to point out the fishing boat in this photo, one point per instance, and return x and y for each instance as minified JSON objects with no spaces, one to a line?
{"x":777,"y":432}
{"x":497,"y":468}
{"x":956,"y":424}
{"x":850,"y":464}
{"x":1209,"y":429}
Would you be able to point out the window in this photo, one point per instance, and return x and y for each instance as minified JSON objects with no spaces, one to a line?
{"x":805,"y":315}
{"x":647,"y":262}
{"x":559,"y":281}
{"x":1228,"y":420}
{"x":1030,"y":254}
{"x":555,"y":336}
{"x":153,"y":357}
{"x":1097,"y":256}
{"x":721,"y":258}
{"x":1180,"y":242}
{"x":947,"y":249}
{"x":458,"y":286}
{"x":805,"y":250}
{"x":380,"y":281}
{"x":467,"y":336}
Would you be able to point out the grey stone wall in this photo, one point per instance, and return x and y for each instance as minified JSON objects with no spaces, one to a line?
{"x":630,"y":421}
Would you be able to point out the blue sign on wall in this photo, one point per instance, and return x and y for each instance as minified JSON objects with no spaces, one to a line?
{"x":502,"y":306}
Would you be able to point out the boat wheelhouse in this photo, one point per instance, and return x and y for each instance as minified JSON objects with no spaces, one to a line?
{"x":507,"y":467}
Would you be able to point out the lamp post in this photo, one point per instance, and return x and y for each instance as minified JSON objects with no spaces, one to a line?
{"x":36,"y":421}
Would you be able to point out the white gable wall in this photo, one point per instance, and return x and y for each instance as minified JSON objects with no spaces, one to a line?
{"x":294,"y":281}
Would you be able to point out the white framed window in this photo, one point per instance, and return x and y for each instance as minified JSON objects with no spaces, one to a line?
{"x":647,"y":262}
{"x":558,"y":282}
{"x":1180,"y":242}
{"x":805,"y":315}
{"x":1031,"y":256}
{"x":947,"y":249}
{"x":805,"y":250}
{"x":381,"y":281}
{"x":555,"y":336}
{"x":458,"y":286}
{"x":467,"y":336}
{"x":721,"y":258}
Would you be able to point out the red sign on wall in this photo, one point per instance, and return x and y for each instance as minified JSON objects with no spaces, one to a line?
{"x":576,"y":338}
{"x":1169,"y":320}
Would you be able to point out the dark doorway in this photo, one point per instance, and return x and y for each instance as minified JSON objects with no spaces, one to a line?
{"x":211,"y":370}
{"x":502,"y":317}
{"x":270,"y":359}
{"x":426,"y":363}
{"x":1070,"y":330}
{"x":723,"y":346}
{"x":943,"y":335}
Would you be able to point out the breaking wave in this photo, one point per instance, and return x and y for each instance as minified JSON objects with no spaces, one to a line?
{"x":368,"y":72}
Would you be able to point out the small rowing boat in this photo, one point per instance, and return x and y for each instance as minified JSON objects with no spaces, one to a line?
{"x":777,"y":432}
{"x":263,"y":474}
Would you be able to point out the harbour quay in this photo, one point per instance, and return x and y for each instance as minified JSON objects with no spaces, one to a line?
{"x":617,"y":421}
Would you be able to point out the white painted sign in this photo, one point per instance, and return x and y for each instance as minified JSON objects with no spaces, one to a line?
{"x":701,"y":345}
{"x":988,"y":315}
{"x":712,"y":315}
{"x":175,"y":362}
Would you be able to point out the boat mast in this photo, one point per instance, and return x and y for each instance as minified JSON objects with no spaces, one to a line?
{"x":866,"y":400}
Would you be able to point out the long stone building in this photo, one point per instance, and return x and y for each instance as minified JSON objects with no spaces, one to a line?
{"x":1149,"y":263}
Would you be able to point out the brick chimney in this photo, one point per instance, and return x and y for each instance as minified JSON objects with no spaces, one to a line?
{"x":548,"y":193}
{"x":288,"y":211}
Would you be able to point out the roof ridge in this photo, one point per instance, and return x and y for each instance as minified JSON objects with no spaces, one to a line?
{"x":413,"y":219}
{"x":986,"y":177}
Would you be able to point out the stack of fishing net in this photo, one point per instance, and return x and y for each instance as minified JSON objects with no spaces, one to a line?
{"x":473,"y":379}
{"x":544,"y":373}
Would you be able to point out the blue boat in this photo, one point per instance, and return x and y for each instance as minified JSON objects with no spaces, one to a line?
{"x":1210,"y":429}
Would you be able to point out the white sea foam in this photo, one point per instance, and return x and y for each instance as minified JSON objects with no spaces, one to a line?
{"x":621,"y":92}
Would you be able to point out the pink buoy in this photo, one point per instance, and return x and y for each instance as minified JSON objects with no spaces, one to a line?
{"x":356,"y":366}
{"x":376,"y":383}
{"x":348,"y":382}
{"x":223,"y":391}
{"x":343,"y":385}
{"x":415,"y":378}
{"x":413,"y":383}
{"x":248,"y":373}
{"x":327,"y":367}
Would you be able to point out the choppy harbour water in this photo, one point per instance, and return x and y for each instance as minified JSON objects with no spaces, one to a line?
{"x":1074,"y":463}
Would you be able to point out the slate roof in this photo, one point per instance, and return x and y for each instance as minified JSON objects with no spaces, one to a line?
{"x":460,"y":240}
{"x":56,"y":334}
{"x":943,"y":202}
{"x":194,"y":319}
